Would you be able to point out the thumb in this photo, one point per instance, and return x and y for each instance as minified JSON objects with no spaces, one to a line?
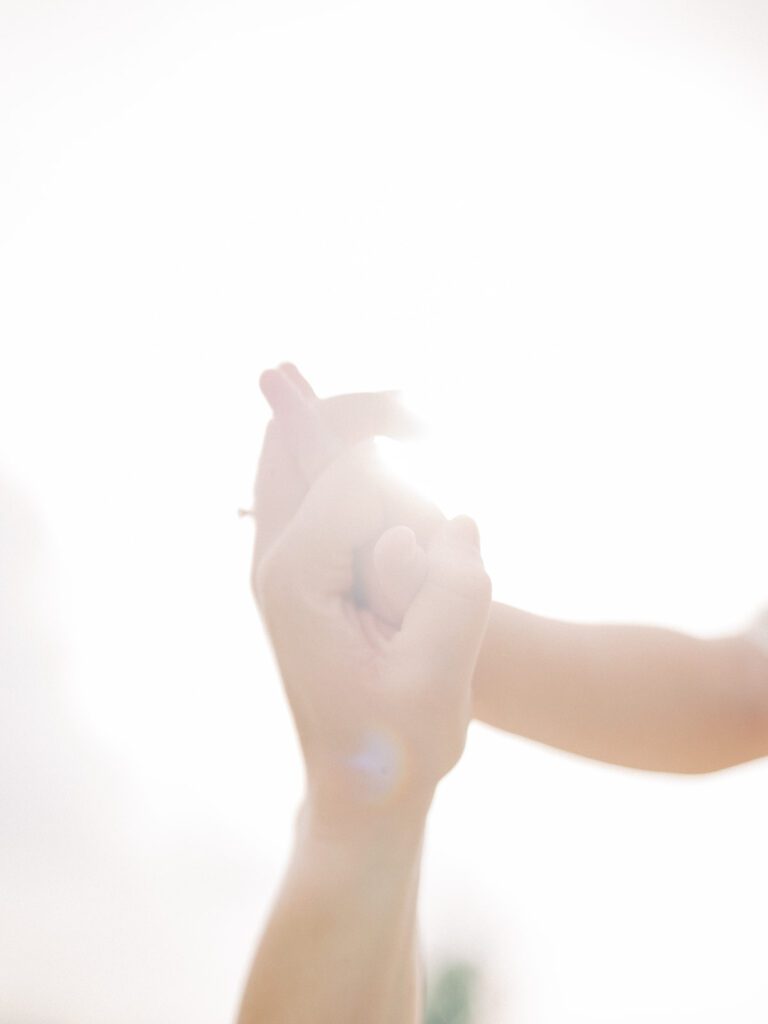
{"x":398,"y":569}
{"x":444,"y":626}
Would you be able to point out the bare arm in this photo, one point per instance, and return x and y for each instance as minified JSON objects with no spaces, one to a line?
{"x":381,"y":713}
{"x":631,"y":695}
{"x":341,"y":941}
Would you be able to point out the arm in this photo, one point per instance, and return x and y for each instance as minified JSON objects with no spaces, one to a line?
{"x":341,"y":941}
{"x":381,"y":714}
{"x":631,"y":695}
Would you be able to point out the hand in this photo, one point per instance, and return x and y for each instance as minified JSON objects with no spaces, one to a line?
{"x":381,"y":713}
{"x":306,"y":434}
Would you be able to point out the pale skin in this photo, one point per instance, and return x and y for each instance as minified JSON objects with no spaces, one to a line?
{"x":638,"y":696}
{"x":380,"y":616}
{"x":381,"y":711}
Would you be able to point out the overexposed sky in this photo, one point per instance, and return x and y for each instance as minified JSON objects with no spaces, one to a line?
{"x":545,"y":222}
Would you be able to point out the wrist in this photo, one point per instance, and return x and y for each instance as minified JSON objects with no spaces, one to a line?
{"x":379,"y":778}
{"x":353,"y":850}
{"x":328,"y":815}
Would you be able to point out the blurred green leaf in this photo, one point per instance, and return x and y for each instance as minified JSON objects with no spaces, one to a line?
{"x":452,"y":995}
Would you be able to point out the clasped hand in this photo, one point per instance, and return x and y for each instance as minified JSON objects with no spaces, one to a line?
{"x":376,"y":625}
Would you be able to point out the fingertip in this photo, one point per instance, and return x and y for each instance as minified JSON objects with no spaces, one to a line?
{"x":464,"y":530}
{"x":283,"y":395}
{"x":269,"y":385}
{"x":400,"y":540}
{"x":293,"y":373}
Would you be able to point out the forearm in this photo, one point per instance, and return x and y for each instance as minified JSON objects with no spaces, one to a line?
{"x":341,"y":943}
{"x":632,"y":695}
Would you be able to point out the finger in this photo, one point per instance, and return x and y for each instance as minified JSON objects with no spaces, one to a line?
{"x":444,"y":626}
{"x":317,"y":430}
{"x":280,"y":484}
{"x":423,"y":518}
{"x":311,"y":440}
{"x":399,"y":563}
{"x":284,"y":396}
{"x":356,"y":417}
{"x":293,"y":373}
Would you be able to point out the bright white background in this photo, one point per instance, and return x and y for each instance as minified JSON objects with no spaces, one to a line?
{"x":547,"y":222}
